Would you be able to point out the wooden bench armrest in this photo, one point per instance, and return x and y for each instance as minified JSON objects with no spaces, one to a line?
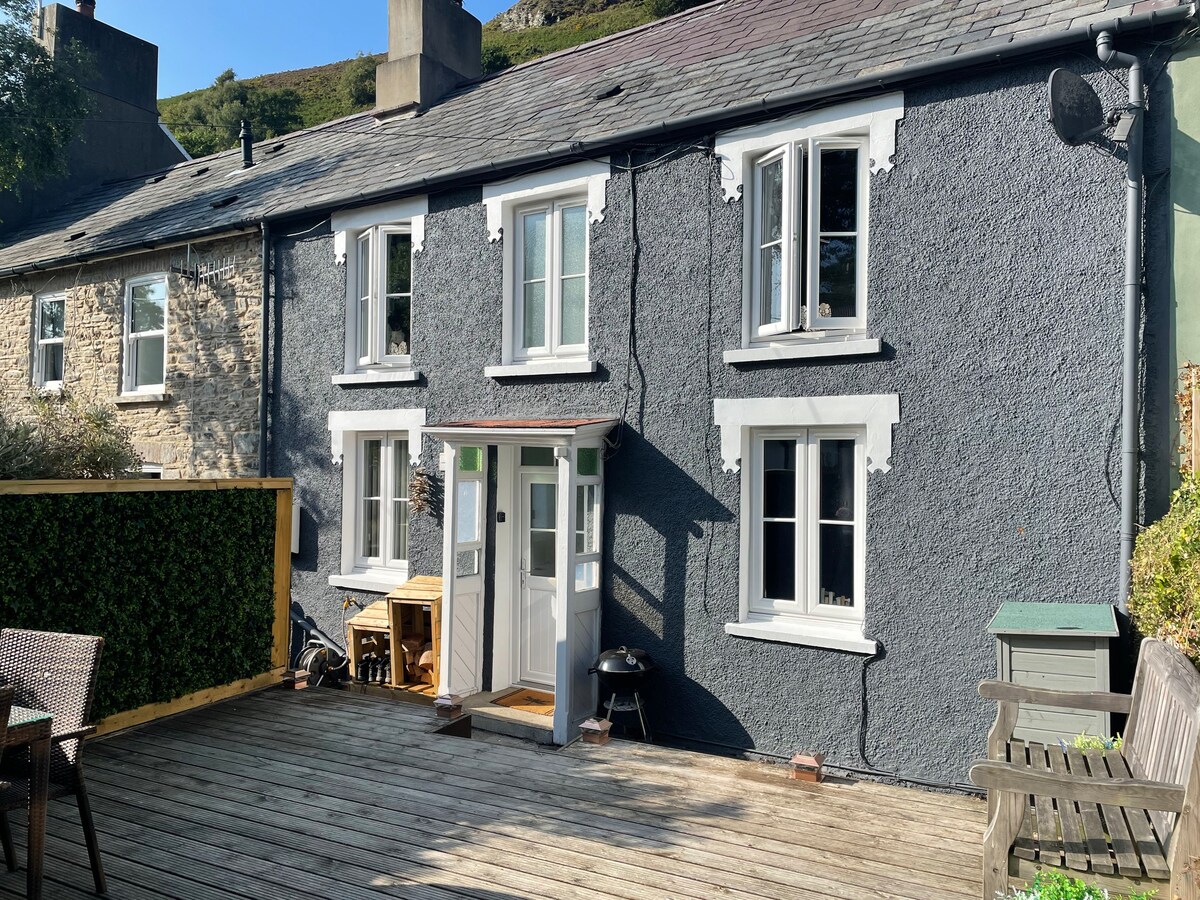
{"x":1018,"y":693}
{"x":1128,"y":792}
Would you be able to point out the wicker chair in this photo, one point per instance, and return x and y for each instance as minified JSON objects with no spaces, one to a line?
{"x":55,"y":673}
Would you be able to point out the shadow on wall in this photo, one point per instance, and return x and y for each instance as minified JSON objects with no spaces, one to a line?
{"x":659,"y":523}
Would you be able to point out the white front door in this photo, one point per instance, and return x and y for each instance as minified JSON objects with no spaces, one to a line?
{"x":536,"y":649}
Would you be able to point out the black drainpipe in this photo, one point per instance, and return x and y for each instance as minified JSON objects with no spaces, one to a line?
{"x":265,"y":349}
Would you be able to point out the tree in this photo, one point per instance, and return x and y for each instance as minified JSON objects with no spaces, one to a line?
{"x":358,"y":81}
{"x":209,"y":121}
{"x":494,"y":59}
{"x":41,"y":99}
{"x":66,"y":439}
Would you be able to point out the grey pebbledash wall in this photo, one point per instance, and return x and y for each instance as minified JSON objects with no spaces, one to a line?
{"x":995,"y":285}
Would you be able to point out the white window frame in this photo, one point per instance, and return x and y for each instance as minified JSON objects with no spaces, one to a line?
{"x":372,"y":225}
{"x":348,"y":430}
{"x":801,"y":245}
{"x":578,"y":184}
{"x":40,"y":343}
{"x":590,"y":557}
{"x":128,"y":385}
{"x":383,"y":563}
{"x":375,"y":241}
{"x":869,"y":125}
{"x":553,"y":347}
{"x":744,"y":424}
{"x":808,"y":523}
{"x":478,"y":479}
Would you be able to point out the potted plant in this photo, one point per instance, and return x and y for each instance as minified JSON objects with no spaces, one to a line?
{"x":1056,"y":886}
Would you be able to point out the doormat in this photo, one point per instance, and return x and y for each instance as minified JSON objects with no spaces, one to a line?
{"x":539,"y":703}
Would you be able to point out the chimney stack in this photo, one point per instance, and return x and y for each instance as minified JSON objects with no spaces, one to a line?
{"x":87,"y":7}
{"x":433,"y":47}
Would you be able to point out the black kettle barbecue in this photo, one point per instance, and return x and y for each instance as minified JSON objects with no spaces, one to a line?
{"x":623,"y":673}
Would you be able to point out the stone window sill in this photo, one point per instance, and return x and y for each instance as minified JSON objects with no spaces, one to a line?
{"x":379,"y":582}
{"x":843,"y":636}
{"x":379,"y":376}
{"x":132,"y":399}
{"x":536,"y":369}
{"x":809,"y":349}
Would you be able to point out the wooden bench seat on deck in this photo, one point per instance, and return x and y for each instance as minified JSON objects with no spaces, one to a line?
{"x":1124,"y":819}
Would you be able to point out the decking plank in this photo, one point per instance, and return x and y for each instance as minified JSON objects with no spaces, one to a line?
{"x":239,"y":801}
{"x":671,"y":780}
{"x":435,"y":807}
{"x":466,"y":783}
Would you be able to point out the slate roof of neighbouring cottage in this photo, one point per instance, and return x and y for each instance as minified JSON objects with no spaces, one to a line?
{"x":712,"y":58}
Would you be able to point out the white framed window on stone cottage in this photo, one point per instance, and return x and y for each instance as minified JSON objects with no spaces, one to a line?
{"x":804,"y":184}
{"x":545,"y":221}
{"x":804,"y":464}
{"x":378,"y":451}
{"x":145,"y":335}
{"x":49,"y":361}
{"x":377,"y":246}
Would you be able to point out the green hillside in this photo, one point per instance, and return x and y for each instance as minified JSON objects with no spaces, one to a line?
{"x":285,"y":101}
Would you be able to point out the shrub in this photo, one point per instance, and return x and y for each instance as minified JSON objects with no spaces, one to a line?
{"x":358,"y":81}
{"x":1056,"y":886}
{"x":66,"y":439}
{"x":1165,"y":600}
{"x":1087,"y":741}
{"x":494,"y":59}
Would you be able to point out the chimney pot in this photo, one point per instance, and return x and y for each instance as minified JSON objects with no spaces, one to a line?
{"x":247,"y":138}
{"x":87,"y":7}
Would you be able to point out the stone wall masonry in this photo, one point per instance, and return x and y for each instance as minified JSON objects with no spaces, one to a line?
{"x":208,"y":424}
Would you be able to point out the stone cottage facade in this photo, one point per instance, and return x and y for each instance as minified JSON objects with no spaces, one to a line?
{"x":193,"y":407}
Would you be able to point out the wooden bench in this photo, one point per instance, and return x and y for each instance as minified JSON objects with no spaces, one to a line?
{"x":1125,"y":819}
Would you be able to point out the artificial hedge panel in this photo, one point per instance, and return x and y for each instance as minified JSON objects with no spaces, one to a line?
{"x":180,"y":584}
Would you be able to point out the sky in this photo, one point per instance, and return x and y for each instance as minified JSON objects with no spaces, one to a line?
{"x":199,"y":39}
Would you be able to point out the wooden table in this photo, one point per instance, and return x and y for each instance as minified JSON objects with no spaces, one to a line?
{"x":32,"y":728}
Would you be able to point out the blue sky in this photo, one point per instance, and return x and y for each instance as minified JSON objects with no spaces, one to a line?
{"x":199,"y":39}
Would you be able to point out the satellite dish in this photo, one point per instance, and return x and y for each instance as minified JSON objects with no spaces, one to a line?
{"x":1075,"y":110}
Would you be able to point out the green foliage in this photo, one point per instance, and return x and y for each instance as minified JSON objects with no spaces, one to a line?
{"x":40,"y":100}
{"x":66,"y":439}
{"x":576,"y":24}
{"x":494,"y":59}
{"x":324,"y":93}
{"x":1056,"y":886}
{"x":1165,"y":600}
{"x":670,"y":7}
{"x":358,"y":81}
{"x":1085,"y":741}
{"x":179,"y":584}
{"x":210,"y":121}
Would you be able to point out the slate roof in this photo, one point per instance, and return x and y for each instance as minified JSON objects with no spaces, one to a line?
{"x":714,"y":58}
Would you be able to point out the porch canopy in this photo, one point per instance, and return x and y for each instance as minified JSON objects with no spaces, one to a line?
{"x":545,"y":581}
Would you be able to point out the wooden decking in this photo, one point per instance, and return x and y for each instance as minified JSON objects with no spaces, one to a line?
{"x":324,"y":794}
